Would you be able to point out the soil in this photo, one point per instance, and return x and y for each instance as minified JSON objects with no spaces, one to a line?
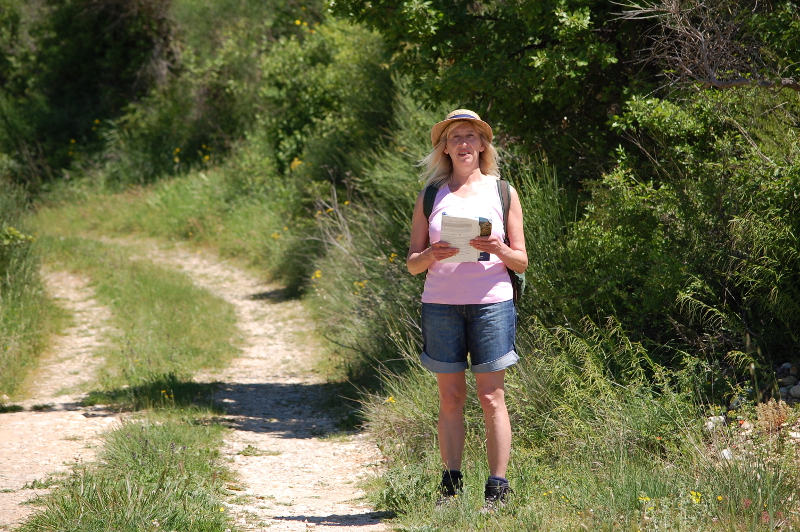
{"x":295,"y":471}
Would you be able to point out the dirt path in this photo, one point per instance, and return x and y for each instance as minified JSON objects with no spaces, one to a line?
{"x":54,"y":432}
{"x":290,"y":479}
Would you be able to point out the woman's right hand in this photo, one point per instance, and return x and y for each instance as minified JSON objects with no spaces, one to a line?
{"x":441,"y":250}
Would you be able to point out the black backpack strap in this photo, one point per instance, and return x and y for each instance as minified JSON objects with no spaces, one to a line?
{"x":504,"y":189}
{"x":428,"y":200}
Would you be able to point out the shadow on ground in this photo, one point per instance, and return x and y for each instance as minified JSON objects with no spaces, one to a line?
{"x":291,"y":410}
{"x":367,"y":518}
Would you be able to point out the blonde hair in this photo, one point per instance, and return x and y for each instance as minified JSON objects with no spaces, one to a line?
{"x":439,"y":167}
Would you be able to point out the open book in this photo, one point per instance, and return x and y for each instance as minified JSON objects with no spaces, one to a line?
{"x":458,"y":231}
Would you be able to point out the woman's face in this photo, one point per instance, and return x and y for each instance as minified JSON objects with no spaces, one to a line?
{"x":464,"y":145}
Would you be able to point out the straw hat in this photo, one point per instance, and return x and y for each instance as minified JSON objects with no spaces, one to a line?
{"x":461,"y":114}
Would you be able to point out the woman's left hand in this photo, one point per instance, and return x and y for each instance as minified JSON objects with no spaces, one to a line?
{"x":490,"y":244}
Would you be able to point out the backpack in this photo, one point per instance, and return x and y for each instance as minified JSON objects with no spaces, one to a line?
{"x":504,"y":190}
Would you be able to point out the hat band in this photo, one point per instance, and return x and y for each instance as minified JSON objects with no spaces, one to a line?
{"x":463,"y":116}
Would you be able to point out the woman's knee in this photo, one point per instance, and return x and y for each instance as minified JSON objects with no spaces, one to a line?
{"x":492,"y":399}
{"x":452,"y":400}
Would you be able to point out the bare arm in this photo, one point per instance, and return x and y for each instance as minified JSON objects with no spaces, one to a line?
{"x":420,"y":254}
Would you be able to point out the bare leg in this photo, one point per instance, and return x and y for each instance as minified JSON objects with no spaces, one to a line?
{"x":452,"y":396}
{"x":491,"y":393}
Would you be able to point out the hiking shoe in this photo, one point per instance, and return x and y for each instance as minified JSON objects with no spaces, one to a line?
{"x":452,"y":484}
{"x":495,"y":494}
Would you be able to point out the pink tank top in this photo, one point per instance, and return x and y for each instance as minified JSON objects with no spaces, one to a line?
{"x":467,"y":283}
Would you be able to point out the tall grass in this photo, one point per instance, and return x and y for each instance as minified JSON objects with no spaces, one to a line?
{"x":601,"y":442}
{"x":26,"y":314}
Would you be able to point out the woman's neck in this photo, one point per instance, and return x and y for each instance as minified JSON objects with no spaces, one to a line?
{"x":471,"y":177}
{"x":465,"y":186}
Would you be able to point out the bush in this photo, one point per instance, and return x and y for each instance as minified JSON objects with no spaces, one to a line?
{"x":83,"y":62}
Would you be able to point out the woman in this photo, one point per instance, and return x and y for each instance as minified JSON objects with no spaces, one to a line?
{"x":468,"y":307}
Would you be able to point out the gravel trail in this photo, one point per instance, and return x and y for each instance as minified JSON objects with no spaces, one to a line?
{"x":54,"y":432}
{"x":292,"y":477}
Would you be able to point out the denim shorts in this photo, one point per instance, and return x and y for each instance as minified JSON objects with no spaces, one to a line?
{"x":486,"y":332}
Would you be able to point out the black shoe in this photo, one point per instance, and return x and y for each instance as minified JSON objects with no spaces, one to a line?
{"x":451,"y":486}
{"x":495,"y":494}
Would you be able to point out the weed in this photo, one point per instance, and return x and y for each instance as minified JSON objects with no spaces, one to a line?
{"x":251,"y":451}
{"x":37,"y":484}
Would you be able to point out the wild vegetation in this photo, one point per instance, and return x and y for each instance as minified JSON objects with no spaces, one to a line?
{"x":26,"y":315}
{"x":661,"y":221}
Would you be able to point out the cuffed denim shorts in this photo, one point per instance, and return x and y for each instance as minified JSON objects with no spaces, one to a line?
{"x":486,"y":332}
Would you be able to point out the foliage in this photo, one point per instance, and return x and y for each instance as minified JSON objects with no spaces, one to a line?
{"x":779,"y":27}
{"x":85,"y":60}
{"x":540,"y":71}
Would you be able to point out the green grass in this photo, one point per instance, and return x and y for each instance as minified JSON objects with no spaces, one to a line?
{"x":164,"y":473}
{"x":591,"y":451}
{"x":252,"y":223}
{"x":169,"y":328}
{"x":27,"y":316}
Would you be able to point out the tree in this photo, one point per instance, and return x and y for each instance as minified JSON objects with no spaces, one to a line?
{"x":86,"y":60}
{"x":547,"y":72}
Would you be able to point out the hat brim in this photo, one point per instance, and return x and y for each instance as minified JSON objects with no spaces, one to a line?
{"x":439,"y":127}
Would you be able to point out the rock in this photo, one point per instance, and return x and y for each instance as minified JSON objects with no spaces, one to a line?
{"x":784,"y":393}
{"x":714,"y":422}
{"x":795,"y":392}
{"x":726,"y":454}
{"x":788,"y":381}
{"x":785,"y":365}
{"x":747,"y":425}
{"x":794,"y":435}
{"x":793,"y":370}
